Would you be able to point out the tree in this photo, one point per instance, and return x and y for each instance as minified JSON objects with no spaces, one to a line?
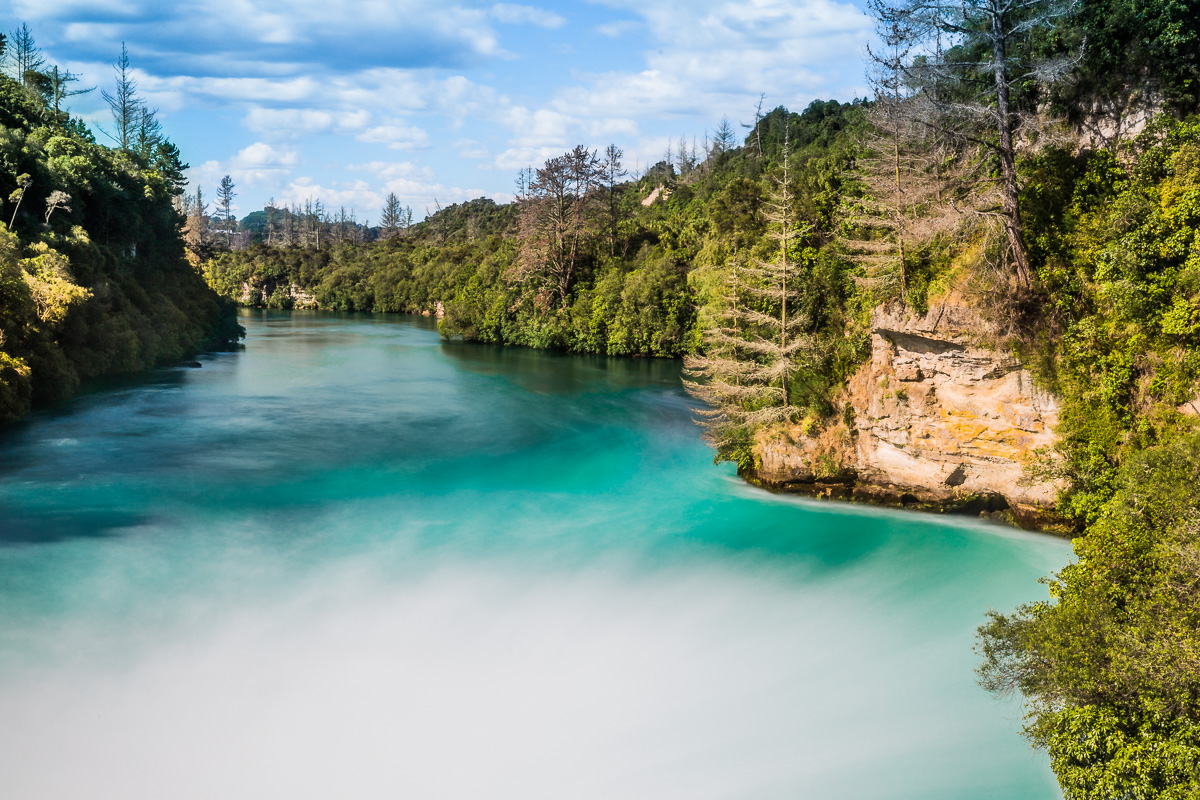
{"x":23,"y":58}
{"x":57,"y":199}
{"x":24,"y":181}
{"x":195,"y":231}
{"x":557,"y":220}
{"x":60,"y":81}
{"x":147,"y":133}
{"x":225,"y":195}
{"x":724,"y":138}
{"x":124,"y":104}
{"x":750,"y":359}
{"x":1110,"y":665}
{"x":899,"y":175}
{"x":611,"y":172}
{"x":392,"y":211}
{"x":758,"y":115}
{"x":272,"y":220}
{"x":971,"y":85}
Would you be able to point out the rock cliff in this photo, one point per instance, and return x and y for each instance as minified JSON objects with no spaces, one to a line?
{"x":287,"y":295}
{"x":932,"y":420}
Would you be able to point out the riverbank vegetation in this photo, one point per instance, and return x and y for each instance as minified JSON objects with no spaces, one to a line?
{"x":93,"y":275}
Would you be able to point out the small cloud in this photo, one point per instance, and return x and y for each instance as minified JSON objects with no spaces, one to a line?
{"x":469,"y":148}
{"x":396,"y":137}
{"x":303,"y":121}
{"x":616,"y":30}
{"x":512,"y":14}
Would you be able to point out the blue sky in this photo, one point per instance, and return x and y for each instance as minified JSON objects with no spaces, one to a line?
{"x":347,"y":100}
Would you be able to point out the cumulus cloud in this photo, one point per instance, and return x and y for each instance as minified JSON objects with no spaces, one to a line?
{"x":258,"y":165}
{"x":432,"y":81}
{"x":707,"y":59}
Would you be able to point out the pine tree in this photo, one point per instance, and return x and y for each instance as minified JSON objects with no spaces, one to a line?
{"x":60,"y":81}
{"x":225,"y":195}
{"x":392,"y":212}
{"x":753,"y":356}
{"x":883,"y":217}
{"x":611,"y":171}
{"x":973,"y":83}
{"x":124,"y":104}
{"x":23,"y":58}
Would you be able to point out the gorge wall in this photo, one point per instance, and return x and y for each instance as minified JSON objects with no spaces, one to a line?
{"x":932,"y":420}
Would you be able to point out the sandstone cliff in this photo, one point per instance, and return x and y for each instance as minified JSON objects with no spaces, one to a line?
{"x":932,"y":420}
{"x":287,"y":295}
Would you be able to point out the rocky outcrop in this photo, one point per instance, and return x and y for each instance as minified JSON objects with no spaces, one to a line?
{"x":280,"y":295}
{"x":932,"y":420}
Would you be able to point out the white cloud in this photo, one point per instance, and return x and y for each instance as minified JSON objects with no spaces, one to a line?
{"x":396,"y":137}
{"x":615,"y":30}
{"x":513,"y":14}
{"x":296,"y":122}
{"x":257,"y":166}
{"x":715,"y":57}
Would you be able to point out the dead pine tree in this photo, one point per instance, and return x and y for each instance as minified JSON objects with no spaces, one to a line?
{"x":976,"y":56}
{"x":880,"y":220}
{"x":758,"y":115}
{"x":558,"y":218}
{"x":753,"y":356}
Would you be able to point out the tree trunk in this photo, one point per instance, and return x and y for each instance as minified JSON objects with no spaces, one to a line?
{"x":1010,"y":198}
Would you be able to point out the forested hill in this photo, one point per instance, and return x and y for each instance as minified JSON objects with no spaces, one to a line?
{"x":94,"y":278}
{"x":624,"y":271}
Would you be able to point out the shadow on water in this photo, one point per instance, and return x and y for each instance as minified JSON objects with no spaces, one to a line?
{"x":544,"y":372}
{"x":20,"y":526}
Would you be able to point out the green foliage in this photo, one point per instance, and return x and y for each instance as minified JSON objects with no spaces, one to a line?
{"x":639,"y":298}
{"x":1120,"y":276}
{"x":1133,"y":47}
{"x":100,"y":286}
{"x":1111,"y":665}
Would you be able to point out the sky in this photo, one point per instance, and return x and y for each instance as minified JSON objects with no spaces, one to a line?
{"x":347,"y":101}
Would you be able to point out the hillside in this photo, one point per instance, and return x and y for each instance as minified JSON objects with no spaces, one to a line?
{"x":94,"y":279}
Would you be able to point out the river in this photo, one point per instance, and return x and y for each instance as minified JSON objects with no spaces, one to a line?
{"x":352,"y":560}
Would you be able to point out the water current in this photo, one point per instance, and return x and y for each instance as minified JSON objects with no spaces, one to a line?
{"x":355,"y":561}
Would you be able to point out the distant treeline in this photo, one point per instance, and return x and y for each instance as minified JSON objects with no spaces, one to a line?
{"x":589,"y":269}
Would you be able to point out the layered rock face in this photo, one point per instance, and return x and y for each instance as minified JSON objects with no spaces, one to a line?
{"x":261,"y":295}
{"x":936,"y":421}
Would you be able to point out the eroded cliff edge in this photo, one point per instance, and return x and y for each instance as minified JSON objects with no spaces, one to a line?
{"x":933,"y":420}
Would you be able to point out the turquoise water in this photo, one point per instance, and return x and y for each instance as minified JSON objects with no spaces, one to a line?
{"x":355,"y":561}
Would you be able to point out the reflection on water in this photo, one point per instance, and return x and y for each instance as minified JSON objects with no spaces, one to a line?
{"x":352,"y":560}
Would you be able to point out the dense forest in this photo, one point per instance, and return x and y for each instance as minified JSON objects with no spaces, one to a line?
{"x":94,"y":278}
{"x":1039,"y":159}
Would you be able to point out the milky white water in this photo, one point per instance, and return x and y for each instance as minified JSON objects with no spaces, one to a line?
{"x":354,"y":561}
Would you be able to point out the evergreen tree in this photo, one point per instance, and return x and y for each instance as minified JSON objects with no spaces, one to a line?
{"x":124,"y":104}
{"x":225,"y":195}
{"x":23,"y":61}
{"x":391,"y":219}
{"x":750,"y":359}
